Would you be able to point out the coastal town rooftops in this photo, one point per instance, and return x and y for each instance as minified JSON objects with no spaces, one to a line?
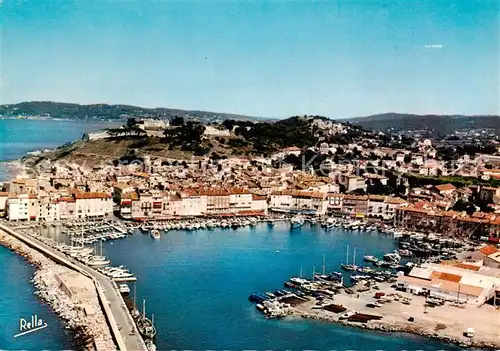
{"x":395,"y":200}
{"x":463,"y":265}
{"x":258,"y":197}
{"x":445,"y":187}
{"x":444,"y":285}
{"x":489,"y":250}
{"x":92,"y":195}
{"x":303,"y":194}
{"x":446,"y":276}
{"x":421,"y":273}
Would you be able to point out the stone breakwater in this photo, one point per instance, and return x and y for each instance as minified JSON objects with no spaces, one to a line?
{"x":380,"y":326}
{"x":89,"y":328}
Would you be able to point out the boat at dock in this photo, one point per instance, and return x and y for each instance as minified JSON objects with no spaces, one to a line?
{"x":329,"y":223}
{"x":124,"y":289}
{"x":392,"y":257}
{"x":150,"y":345}
{"x":369,"y":258}
{"x":145,"y":325}
{"x":296,"y":222}
{"x":349,"y":267}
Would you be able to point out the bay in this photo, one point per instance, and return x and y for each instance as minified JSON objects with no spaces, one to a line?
{"x":17,"y":299}
{"x":20,"y":136}
{"x":197,"y":283}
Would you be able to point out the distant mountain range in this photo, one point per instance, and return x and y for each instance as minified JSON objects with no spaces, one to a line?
{"x":442,"y":124}
{"x":62,"y":110}
{"x":395,"y":122}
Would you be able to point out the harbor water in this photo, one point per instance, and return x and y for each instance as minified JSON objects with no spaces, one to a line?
{"x":17,"y":300}
{"x":20,"y":136}
{"x":197,"y":285}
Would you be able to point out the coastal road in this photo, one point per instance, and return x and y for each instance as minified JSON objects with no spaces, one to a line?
{"x":128,"y":333}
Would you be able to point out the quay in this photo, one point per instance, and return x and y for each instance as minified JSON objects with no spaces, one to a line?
{"x":122,"y":326}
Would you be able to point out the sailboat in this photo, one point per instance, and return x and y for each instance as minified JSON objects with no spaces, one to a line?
{"x":99,"y":260}
{"x":145,"y":325}
{"x":349,"y":267}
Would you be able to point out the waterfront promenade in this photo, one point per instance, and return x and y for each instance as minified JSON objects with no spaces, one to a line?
{"x":121,"y":324}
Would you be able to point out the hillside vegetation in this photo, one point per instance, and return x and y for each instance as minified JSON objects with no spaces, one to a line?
{"x":438,"y":124}
{"x":62,"y":110}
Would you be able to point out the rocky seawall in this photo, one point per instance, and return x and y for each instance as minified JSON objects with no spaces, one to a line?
{"x":416,"y":330}
{"x":88,"y":328}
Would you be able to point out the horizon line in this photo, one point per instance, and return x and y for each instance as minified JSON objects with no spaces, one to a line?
{"x":250,"y":116}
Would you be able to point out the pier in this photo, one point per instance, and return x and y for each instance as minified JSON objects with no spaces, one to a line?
{"x":120,"y":322}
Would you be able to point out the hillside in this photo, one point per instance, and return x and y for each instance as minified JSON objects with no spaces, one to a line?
{"x":188,"y":138}
{"x":438,"y":124}
{"x":51,"y":109}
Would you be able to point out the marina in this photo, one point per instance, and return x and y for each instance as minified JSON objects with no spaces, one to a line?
{"x":360,"y":270}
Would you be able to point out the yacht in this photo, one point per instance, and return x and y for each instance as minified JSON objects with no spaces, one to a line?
{"x":329,"y":223}
{"x":296,"y":222}
{"x":348,"y":267}
{"x":98,"y":261}
{"x":397,"y":234}
{"x":370,"y":258}
{"x":120,"y":274}
{"x":404,"y":253}
{"x":150,"y":345}
{"x":392,"y":257}
{"x":124,"y":289}
{"x":155,"y":234}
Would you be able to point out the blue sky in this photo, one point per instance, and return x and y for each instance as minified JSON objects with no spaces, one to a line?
{"x":274,"y":59}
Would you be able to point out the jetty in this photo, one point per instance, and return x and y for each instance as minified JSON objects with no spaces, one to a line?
{"x":120,"y":322}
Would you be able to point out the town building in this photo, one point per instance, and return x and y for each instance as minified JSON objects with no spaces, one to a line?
{"x":455,"y":282}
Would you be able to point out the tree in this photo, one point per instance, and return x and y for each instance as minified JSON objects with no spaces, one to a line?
{"x":131,"y":123}
{"x":177,"y":121}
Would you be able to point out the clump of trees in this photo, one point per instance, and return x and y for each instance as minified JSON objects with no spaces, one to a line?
{"x":186,"y":136}
{"x":131,"y":128}
{"x":267,"y":137}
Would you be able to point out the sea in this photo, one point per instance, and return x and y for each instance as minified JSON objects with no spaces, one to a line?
{"x":197,"y":283}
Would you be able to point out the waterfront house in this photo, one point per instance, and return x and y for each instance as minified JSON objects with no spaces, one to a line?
{"x":93,"y":205}
{"x":22,"y":207}
{"x":4,"y":196}
{"x":259,"y":203}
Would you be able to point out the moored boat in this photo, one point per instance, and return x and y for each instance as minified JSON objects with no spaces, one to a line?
{"x":296,"y":222}
{"x":370,"y":258}
{"x":155,"y":234}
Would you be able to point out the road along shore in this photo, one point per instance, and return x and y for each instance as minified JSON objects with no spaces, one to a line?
{"x":70,"y":294}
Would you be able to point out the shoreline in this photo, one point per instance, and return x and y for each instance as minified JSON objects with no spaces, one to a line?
{"x":388,"y":328}
{"x":440,"y":323}
{"x":87,"y":328}
{"x":13,"y":169}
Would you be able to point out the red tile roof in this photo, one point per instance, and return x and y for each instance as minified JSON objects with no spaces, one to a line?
{"x":489,"y":250}
{"x":92,"y":196}
{"x":445,"y":187}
